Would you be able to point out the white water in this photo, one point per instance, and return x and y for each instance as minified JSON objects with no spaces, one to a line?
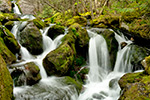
{"x":102,"y":83}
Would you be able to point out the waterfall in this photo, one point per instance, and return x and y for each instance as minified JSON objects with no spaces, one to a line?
{"x":102,"y":83}
{"x":98,"y":58}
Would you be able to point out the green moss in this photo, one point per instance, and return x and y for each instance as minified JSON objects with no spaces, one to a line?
{"x":39,"y":24}
{"x":77,"y":19}
{"x":8,"y":56}
{"x":6,"y":83}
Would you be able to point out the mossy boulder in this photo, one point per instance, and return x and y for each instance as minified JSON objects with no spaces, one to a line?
{"x":39,"y":23}
{"x":57,"y":62}
{"x":135,"y":86}
{"x":105,"y":21}
{"x":28,"y":73}
{"x":9,"y":40}
{"x":81,"y":34}
{"x":56,"y":30}
{"x":77,"y":19}
{"x":8,"y":56}
{"x":6,"y":83}
{"x":31,"y":38}
{"x":138,"y":25}
{"x":5,"y":17}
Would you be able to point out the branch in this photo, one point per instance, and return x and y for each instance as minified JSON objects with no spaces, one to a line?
{"x":106,"y":1}
{"x":52,"y":6}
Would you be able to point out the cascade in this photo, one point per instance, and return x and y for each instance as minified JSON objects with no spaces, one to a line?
{"x":101,"y":79}
{"x":48,"y":87}
{"x":102,"y":83}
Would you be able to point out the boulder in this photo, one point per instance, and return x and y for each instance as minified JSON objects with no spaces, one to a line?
{"x":147,"y":65}
{"x":8,"y":56}
{"x":9,"y":40}
{"x":135,"y":86}
{"x":31,"y":38}
{"x":5,"y":6}
{"x":106,"y":21}
{"x":55,"y":30}
{"x":6,"y":83}
{"x":26,"y":74}
{"x":57,"y":62}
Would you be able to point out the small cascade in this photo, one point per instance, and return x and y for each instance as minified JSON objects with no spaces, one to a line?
{"x":97,"y":50}
{"x":102,"y":83}
{"x":123,"y":55}
{"x":15,"y":8}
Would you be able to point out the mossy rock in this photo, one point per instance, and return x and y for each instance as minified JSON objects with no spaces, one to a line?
{"x":28,"y":73}
{"x":135,"y":86}
{"x":77,"y":19}
{"x":81,"y":34}
{"x":8,"y":56}
{"x":56,"y":30}
{"x":31,"y":38}
{"x":39,"y":23}
{"x":5,"y":17}
{"x":105,"y":21}
{"x":147,"y":69}
{"x":9,"y":40}
{"x":9,"y":24}
{"x":57,"y":62}
{"x":6,"y":83}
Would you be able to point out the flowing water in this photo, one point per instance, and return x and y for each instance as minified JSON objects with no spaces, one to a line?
{"x":102,"y":82}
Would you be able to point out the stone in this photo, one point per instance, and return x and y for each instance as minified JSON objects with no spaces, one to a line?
{"x":6,"y":83}
{"x":31,"y":38}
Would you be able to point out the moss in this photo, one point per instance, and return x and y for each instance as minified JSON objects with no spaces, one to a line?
{"x":6,"y":83}
{"x":9,"y":40}
{"x":58,"y":61}
{"x":105,"y":21}
{"x":39,"y":24}
{"x":77,"y":19}
{"x":31,"y":38}
{"x":147,"y":69}
{"x":56,"y":30}
{"x":8,"y":56}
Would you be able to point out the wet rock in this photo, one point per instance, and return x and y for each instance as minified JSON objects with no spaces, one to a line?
{"x":123,"y":44}
{"x":27,"y":74}
{"x":113,"y":84}
{"x":31,"y":38}
{"x":98,"y":96}
{"x":138,"y":53}
{"x":6,"y":83}
{"x":56,"y":30}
